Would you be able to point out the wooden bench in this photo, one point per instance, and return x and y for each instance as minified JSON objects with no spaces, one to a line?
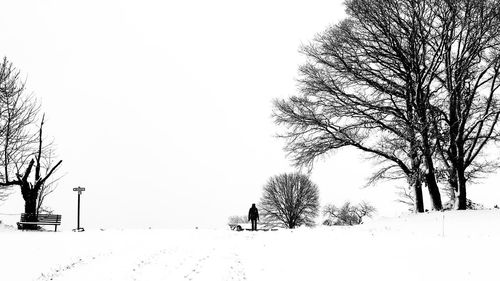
{"x":41,"y":219}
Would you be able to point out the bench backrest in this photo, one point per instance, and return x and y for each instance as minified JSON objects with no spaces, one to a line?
{"x":42,"y":218}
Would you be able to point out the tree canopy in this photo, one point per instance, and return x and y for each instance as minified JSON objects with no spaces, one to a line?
{"x":412,"y":83}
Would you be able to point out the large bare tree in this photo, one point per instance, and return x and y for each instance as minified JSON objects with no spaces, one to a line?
{"x":469,"y":74}
{"x":18,"y":112}
{"x":410,"y":82}
{"x":21,"y":140}
{"x":367,"y":84}
{"x":290,"y":200}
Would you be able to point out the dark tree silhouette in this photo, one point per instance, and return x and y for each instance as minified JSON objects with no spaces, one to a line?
{"x":290,"y":200}
{"x":17,"y":117}
{"x":364,"y":87}
{"x":30,"y":188}
{"x":469,"y":73}
{"x":409,"y":82}
{"x":21,"y":141}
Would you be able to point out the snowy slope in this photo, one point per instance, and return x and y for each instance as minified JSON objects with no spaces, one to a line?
{"x":406,"y":248}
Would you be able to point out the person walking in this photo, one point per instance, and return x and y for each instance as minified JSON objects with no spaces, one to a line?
{"x":253,"y":215}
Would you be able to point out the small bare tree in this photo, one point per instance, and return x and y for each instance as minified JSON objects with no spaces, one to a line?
{"x":348,"y":214}
{"x":290,"y":200}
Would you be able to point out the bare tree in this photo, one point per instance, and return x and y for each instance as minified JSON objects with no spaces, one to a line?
{"x":30,"y":187}
{"x":368,"y":85}
{"x":470,"y":76}
{"x":21,"y":141}
{"x":411,"y":82}
{"x":17,"y":117}
{"x":291,"y":200}
{"x":348,"y":214}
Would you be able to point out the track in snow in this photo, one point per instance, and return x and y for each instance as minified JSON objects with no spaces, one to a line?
{"x":191,"y":262}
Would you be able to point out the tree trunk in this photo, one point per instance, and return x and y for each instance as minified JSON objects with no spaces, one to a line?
{"x":30,"y":195}
{"x":434,"y":193}
{"x":430,"y":175}
{"x":462,"y":194}
{"x":30,"y":209}
{"x":415,"y":179}
{"x":30,"y":205}
{"x":416,"y":182}
{"x":457,"y":151}
{"x":416,"y":186}
{"x":461,"y":200}
{"x":452,"y":180}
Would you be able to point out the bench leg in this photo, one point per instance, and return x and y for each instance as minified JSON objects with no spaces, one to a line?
{"x":56,"y":228}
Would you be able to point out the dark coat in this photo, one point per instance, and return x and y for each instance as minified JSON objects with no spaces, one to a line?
{"x":253,"y":213}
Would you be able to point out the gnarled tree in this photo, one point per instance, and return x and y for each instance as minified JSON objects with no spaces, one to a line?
{"x":21,"y":142}
{"x":18,"y":112}
{"x":31,"y":186}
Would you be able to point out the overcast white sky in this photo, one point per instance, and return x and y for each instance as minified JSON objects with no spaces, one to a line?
{"x":161,"y":109}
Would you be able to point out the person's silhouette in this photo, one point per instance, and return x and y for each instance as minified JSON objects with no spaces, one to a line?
{"x":253,"y":215}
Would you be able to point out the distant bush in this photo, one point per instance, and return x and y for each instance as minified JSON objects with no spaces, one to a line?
{"x":237,"y":219}
{"x":474,"y":206}
{"x":348,"y":214}
{"x":450,"y":205}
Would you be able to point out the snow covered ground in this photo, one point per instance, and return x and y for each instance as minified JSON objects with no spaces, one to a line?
{"x":436,"y":246}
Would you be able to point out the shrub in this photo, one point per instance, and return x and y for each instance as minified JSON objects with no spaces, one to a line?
{"x":348,"y":214}
{"x":237,"y":219}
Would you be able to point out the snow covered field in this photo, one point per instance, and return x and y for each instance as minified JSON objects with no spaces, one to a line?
{"x":465,"y":247}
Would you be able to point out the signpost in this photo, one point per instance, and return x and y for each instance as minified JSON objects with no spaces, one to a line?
{"x":78,"y":228}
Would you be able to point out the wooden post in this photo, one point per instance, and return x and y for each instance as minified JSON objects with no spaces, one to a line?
{"x":78,"y":228}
